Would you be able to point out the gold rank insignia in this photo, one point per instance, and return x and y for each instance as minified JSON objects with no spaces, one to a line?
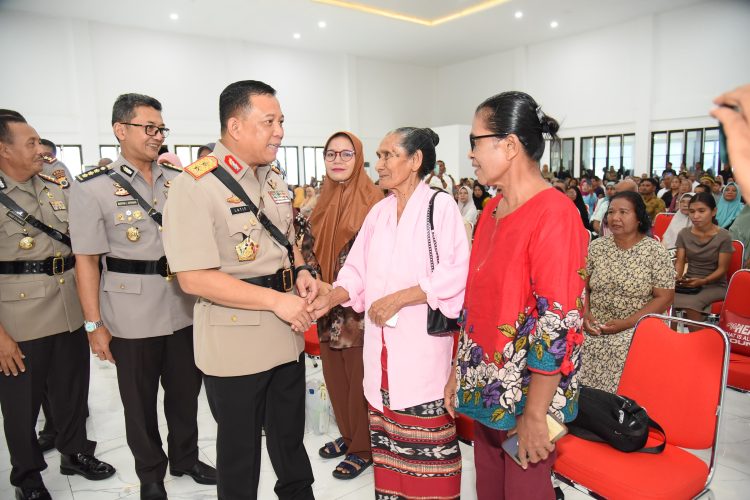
{"x":60,"y":181}
{"x":120,"y":191}
{"x":272,"y":183}
{"x":90,"y":174}
{"x":234,"y":199}
{"x":203,"y":166}
{"x":247,"y":250}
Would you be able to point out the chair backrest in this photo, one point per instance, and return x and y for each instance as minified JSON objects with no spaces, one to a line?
{"x":661,"y":223}
{"x":738,"y":259}
{"x":679,"y":378}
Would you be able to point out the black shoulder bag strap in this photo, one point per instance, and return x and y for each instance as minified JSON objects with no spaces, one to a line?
{"x":21,"y":217}
{"x":660,"y":447}
{"x":154,"y":214}
{"x":240,"y":193}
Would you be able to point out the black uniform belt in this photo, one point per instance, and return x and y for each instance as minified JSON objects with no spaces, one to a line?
{"x":51,"y":266}
{"x":281,"y":281}
{"x":128,"y":266}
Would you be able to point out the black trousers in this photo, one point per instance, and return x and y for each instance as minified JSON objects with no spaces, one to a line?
{"x":141,"y":364}
{"x":59,"y":365}
{"x":242,"y":406}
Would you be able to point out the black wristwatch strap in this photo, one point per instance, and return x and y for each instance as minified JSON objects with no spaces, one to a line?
{"x":305,"y":268}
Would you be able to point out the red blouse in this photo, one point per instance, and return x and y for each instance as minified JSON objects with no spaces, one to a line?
{"x":524,"y":309}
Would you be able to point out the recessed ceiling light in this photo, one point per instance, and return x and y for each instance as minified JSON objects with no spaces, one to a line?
{"x":322,"y":24}
{"x":174,"y":16}
{"x":519,"y":14}
{"x":297,"y":36}
{"x":554,"y":24}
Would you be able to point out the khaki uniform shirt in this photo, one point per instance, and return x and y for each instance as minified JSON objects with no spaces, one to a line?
{"x":132,"y":306}
{"x":201,"y":231}
{"x":33,"y":306}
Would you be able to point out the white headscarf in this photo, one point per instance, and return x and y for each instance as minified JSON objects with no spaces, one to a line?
{"x":468,"y":210}
{"x":679,"y":222}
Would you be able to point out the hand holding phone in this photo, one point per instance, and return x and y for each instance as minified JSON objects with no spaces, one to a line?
{"x":555,"y":428}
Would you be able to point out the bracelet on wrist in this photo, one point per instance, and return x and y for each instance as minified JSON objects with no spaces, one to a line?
{"x":304,"y":267}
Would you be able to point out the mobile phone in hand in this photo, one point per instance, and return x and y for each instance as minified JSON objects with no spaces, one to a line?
{"x":555,"y":429}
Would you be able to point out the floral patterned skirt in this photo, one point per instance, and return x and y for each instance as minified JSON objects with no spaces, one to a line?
{"x":415,"y":450}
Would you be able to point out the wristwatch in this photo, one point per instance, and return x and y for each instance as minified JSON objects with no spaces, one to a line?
{"x":305,"y":268}
{"x":91,"y":326}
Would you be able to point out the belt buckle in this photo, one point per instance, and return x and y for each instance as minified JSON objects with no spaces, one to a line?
{"x":170,"y":275}
{"x":287,"y":276}
{"x":58,"y":262}
{"x":167,"y":272}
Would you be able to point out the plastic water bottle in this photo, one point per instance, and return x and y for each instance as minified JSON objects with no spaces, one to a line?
{"x":317,"y":406}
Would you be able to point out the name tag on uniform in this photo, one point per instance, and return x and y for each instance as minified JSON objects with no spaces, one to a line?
{"x":239,"y":210}
{"x":125,"y":203}
{"x":280,"y":197}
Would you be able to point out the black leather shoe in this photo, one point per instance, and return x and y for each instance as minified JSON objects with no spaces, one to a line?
{"x":153,"y":491}
{"x":32,"y":494}
{"x":200,"y":472}
{"x":46,"y":442}
{"x":84,"y":465}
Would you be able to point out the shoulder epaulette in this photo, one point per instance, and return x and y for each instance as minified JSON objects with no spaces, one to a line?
{"x":62,"y":182}
{"x":203,"y":166}
{"x":87,"y":176}
{"x":276,"y":170}
{"x":170,"y":166}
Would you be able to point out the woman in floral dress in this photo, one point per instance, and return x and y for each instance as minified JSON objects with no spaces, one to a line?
{"x":519,"y":350}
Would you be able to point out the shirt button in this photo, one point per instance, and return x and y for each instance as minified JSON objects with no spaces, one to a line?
{"x":22,"y":295}
{"x":58,"y":254}
{"x":244,"y":228}
{"x":62,"y":281}
{"x":234,"y":318}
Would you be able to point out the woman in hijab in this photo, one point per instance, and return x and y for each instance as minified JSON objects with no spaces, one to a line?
{"x":347,"y":196}
{"x":480,"y":196}
{"x":466,"y":207}
{"x":740,"y":231}
{"x":729,"y":206}
{"x":577,"y":198}
{"x":680,"y":220}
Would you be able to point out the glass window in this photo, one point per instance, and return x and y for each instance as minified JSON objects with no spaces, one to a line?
{"x":111,"y":151}
{"x":600,"y":154}
{"x":72,"y":157}
{"x":614,"y":153}
{"x":694,"y":145}
{"x":314,"y":165}
{"x":711,"y":150}
{"x":587,"y":153}
{"x":568,"y":153}
{"x":187,"y":153}
{"x":658,"y":152}
{"x":676,"y":148}
{"x":628,"y":153}
{"x":287,"y":156}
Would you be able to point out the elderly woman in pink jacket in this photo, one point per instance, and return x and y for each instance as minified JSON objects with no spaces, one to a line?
{"x":389,"y":274}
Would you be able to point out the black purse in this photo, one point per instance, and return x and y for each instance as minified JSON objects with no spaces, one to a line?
{"x":614,"y":419}
{"x":438,"y":324}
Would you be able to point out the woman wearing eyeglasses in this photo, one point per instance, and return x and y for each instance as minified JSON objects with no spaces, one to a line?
{"x":388,"y":273}
{"x":519,"y":349}
{"x":347,"y":196}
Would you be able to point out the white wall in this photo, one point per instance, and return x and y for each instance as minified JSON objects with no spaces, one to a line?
{"x":653,"y":73}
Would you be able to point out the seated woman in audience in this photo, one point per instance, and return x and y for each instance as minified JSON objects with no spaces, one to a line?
{"x":680,"y":220}
{"x":388,"y":274}
{"x":575,"y":195}
{"x":685,"y":187}
{"x":466,"y":206}
{"x":346,"y":197}
{"x":311,"y":199}
{"x":589,"y":197}
{"x":740,"y":231}
{"x":480,"y":196}
{"x":706,"y":249}
{"x":729,"y":206}
{"x":629,"y":275}
{"x":673,"y":191}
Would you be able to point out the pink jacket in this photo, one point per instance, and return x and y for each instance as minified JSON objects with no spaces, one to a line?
{"x":388,"y":256}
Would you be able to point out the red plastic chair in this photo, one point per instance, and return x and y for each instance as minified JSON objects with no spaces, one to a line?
{"x":735,"y":264}
{"x":680,"y":379}
{"x":312,"y":344}
{"x":737,"y":302}
{"x":660,"y":225}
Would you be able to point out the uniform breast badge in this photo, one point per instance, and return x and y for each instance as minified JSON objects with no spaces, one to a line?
{"x":234,"y":199}
{"x":280,"y":197}
{"x":57,"y":205}
{"x":133,"y":234}
{"x":120,"y":191}
{"x":272,"y":183}
{"x":247,"y":250}
{"x":26,"y":243}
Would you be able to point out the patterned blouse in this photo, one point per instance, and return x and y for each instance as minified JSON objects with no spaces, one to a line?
{"x":524,"y":309}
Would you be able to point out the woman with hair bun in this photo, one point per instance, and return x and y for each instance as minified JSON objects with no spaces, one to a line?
{"x":519,"y":349}
{"x":388,"y":273}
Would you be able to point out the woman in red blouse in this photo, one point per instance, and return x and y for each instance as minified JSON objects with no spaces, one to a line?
{"x":519,"y":349}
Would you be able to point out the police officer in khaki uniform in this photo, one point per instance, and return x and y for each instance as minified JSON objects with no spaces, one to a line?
{"x":248,"y":320}
{"x":54,"y":170}
{"x":136,"y":315}
{"x":42,"y":343}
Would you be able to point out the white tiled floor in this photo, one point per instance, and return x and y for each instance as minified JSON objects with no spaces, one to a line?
{"x":106,"y":425}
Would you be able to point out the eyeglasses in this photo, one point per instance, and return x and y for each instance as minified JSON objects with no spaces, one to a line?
{"x":346,"y":155}
{"x":473,"y":138}
{"x":150,"y":129}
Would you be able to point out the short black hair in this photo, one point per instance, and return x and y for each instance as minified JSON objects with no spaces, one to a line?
{"x":651,"y":181}
{"x":518,"y":113}
{"x":414,"y":139}
{"x":49,"y":144}
{"x":235,"y":98}
{"x":635,"y":199}
{"x":703,"y":189}
{"x":7,"y":117}
{"x":124,"y":108}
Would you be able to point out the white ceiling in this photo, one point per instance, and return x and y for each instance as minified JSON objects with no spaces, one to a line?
{"x":273,"y":22}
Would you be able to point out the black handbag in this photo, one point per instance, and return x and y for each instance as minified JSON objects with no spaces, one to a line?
{"x":438,"y":324}
{"x":614,"y":419}
{"x":687,"y":289}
